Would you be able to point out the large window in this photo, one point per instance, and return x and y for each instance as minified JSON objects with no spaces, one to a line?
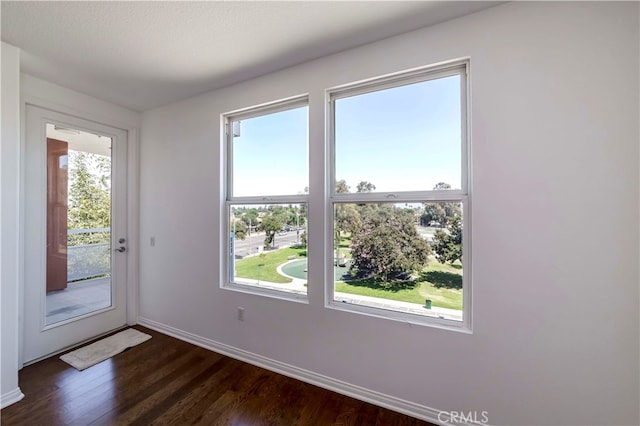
{"x":267,"y":190}
{"x":390,"y":196}
{"x":398,"y":208}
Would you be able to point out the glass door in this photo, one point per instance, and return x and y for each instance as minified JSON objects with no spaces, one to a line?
{"x":75,"y":242}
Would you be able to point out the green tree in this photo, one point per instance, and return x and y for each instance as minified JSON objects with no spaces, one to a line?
{"x":89,"y":196}
{"x":365,"y":186}
{"x":388,"y":247}
{"x":433,"y":212}
{"x":448,"y":244}
{"x":295,"y":216}
{"x":239,"y":229}
{"x":347,"y":219}
{"x":343,"y":214}
{"x":272,"y":222}
{"x":441,"y":186}
{"x":342,"y":187}
{"x":439,"y":212}
{"x":249,"y":217}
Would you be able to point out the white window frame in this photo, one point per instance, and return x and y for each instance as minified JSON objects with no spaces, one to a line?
{"x":461,"y":68}
{"x":230,"y":200}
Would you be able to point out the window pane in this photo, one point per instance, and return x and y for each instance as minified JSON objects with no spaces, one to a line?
{"x":406,"y":138}
{"x":78,"y":277}
{"x":404,"y":257}
{"x":270,"y":154}
{"x":268,"y":246}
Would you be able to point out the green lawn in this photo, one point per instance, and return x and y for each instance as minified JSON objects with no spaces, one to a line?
{"x":442,"y":284}
{"x":263,"y":267}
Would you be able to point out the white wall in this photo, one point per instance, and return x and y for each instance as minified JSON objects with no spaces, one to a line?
{"x":555,"y":224}
{"x":42,"y":93}
{"x":9,"y":224}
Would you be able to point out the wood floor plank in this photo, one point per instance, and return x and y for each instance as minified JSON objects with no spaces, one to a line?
{"x":348,"y":412}
{"x":165,"y":381}
{"x":132,"y":387}
{"x":322,"y":409}
{"x":228,"y":409}
{"x":145,"y":393}
{"x":159,"y":402}
{"x":220,"y":397}
{"x":185,"y":407}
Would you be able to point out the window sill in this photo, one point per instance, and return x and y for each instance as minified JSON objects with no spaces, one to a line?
{"x":267,"y":291}
{"x":410,"y":319}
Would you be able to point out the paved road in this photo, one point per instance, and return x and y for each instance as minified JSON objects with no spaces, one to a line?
{"x":250,"y":244}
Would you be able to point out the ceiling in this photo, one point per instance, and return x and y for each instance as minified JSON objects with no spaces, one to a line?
{"x":141,"y":55}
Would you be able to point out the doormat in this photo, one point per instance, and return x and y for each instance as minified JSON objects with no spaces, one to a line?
{"x":103,"y":349}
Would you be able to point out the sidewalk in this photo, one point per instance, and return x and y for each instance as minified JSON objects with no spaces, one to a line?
{"x":412,"y":308}
{"x":296,"y":286}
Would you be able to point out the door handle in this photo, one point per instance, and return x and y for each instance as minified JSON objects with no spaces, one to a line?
{"x":121,"y":249}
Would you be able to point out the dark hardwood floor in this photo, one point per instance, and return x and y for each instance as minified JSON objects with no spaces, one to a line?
{"x":165,"y":381}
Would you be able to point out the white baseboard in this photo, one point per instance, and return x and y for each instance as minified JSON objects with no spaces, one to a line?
{"x":11,"y":397}
{"x":396,"y":404}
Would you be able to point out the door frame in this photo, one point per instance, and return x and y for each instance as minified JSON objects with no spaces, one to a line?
{"x":99,"y":112}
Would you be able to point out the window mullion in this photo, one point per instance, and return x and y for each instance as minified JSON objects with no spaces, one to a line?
{"x":399,"y":197}
{"x":276,"y":199}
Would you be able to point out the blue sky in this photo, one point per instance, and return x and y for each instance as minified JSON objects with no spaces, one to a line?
{"x":270,"y":155}
{"x":400,"y":139}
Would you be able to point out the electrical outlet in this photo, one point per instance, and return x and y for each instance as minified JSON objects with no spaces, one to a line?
{"x":152,"y":241}
{"x":240,"y":313}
